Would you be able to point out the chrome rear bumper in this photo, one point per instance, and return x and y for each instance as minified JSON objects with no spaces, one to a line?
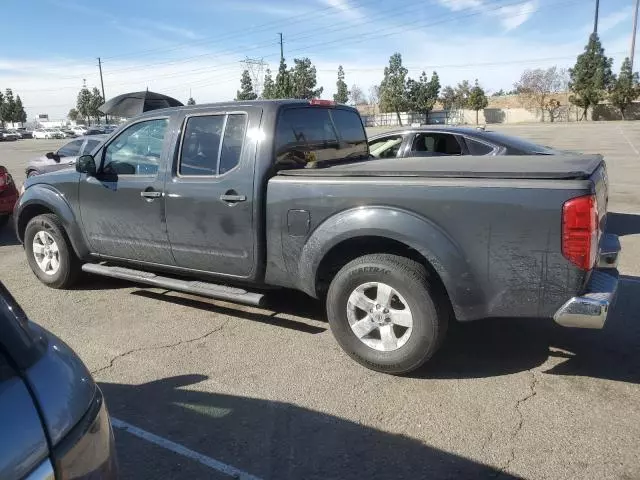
{"x":590,"y":309}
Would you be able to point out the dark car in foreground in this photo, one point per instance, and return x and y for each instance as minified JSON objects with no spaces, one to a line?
{"x":54,"y":423}
{"x":64,"y":157}
{"x":234,"y":199}
{"x":438,"y":141}
{"x":8,"y":194}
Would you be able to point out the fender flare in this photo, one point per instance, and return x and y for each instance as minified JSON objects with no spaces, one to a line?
{"x":408,"y":228}
{"x":46,"y":197}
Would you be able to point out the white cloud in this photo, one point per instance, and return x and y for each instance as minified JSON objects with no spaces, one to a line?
{"x":345,"y":8}
{"x":171,"y":29}
{"x":457,"y":5}
{"x":510,"y":16}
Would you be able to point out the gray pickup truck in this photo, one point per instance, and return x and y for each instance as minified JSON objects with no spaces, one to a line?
{"x":232,"y":200}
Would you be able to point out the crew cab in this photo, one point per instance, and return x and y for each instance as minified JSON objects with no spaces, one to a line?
{"x":234,"y":199}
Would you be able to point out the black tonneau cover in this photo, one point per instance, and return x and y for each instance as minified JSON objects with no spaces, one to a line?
{"x":566,"y":166}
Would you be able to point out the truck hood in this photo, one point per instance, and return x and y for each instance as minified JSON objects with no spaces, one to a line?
{"x":565,"y":166}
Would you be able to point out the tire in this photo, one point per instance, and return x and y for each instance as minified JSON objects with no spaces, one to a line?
{"x":410,"y":287}
{"x":32,"y":173}
{"x":3,"y":220}
{"x":49,"y":231}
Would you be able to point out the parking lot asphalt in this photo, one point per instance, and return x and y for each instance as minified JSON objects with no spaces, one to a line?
{"x":269,"y":393}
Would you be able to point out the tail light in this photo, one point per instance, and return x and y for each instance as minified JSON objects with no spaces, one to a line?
{"x":322,"y":103}
{"x":580,"y":231}
{"x":5,"y":178}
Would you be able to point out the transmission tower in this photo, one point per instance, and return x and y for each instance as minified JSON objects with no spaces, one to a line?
{"x":255,"y":66}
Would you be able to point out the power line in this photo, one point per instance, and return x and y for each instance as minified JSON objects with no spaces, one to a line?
{"x":310,"y":14}
{"x":357,"y":38}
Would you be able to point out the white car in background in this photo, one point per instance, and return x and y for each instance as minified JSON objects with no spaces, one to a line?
{"x":47,"y":133}
{"x":79,"y":130}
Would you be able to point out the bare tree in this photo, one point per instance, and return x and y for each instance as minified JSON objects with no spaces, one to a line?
{"x":374,"y":94}
{"x":537,"y":88}
{"x":356,"y":96}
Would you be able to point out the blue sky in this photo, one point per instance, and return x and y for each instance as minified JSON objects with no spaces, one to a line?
{"x":197,"y":45}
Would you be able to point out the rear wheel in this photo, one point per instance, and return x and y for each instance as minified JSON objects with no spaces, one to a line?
{"x":384,"y":313}
{"x":49,"y":252}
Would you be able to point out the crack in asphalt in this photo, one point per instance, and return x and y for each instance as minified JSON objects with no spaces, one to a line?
{"x":516,"y":431}
{"x":158,"y":347}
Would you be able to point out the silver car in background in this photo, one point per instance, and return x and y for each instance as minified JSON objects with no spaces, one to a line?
{"x":65,"y":156}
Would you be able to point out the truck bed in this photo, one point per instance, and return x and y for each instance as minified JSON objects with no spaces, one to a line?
{"x":543,"y":167}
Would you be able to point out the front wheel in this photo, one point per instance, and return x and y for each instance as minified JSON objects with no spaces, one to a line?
{"x":49,"y":252}
{"x":385,"y":314}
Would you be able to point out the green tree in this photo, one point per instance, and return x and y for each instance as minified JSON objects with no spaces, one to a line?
{"x":20,"y":114}
{"x":191,"y":101}
{"x":499,"y":93}
{"x":477,"y":99}
{"x":83,"y":104}
{"x":591,"y":77}
{"x":8,"y":106}
{"x":462,"y":93}
{"x":1,"y":109}
{"x":448,"y":97}
{"x":283,"y":88}
{"x":269,"y":86}
{"x":625,"y":88}
{"x":246,"y":88}
{"x":342,"y":92}
{"x":73,"y":115}
{"x":393,"y":88}
{"x":303,"y":80}
{"x":423,"y":93}
{"x":94,"y":105}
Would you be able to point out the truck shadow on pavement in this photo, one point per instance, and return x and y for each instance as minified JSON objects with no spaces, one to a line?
{"x":7,"y":234}
{"x":623,"y":223}
{"x":504,"y":346}
{"x":486,"y":348}
{"x":268,"y":439}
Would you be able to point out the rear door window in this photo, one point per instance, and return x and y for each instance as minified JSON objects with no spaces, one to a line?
{"x":386,"y":147}
{"x":212,"y":144}
{"x":307,"y":135}
{"x":436,"y":143}
{"x":71,"y":149}
{"x":90,"y":146}
{"x":478,"y":148}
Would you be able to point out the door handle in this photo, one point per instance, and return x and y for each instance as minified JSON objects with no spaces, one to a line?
{"x":150,"y":194}
{"x":232,"y":197}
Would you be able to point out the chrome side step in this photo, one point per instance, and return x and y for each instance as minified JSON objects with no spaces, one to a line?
{"x":211,"y":290}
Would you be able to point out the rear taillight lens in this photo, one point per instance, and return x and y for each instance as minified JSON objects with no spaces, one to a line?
{"x":5,"y":178}
{"x":580,"y":231}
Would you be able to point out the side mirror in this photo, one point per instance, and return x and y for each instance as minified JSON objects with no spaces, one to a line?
{"x":86,"y":164}
{"x":50,"y":155}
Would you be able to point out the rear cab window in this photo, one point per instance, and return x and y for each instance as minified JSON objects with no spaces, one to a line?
{"x":310,"y":136}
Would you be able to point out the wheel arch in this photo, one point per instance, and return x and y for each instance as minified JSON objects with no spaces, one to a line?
{"x":39,"y":200}
{"x":366,"y":230}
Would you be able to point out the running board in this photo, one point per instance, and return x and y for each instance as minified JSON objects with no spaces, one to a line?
{"x":219,"y":292}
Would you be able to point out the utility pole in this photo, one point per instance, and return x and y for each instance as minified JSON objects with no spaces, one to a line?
{"x":104,"y":99}
{"x":633,"y":34}
{"x":281,"y":48}
{"x":595,"y":21}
